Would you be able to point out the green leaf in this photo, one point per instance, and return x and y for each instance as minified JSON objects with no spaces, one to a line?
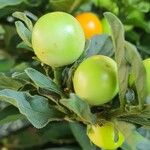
{"x":2,"y":31}
{"x":66,"y":148}
{"x":24,"y":18}
{"x":24,"y":46}
{"x":6,"y":64}
{"x":61,"y":5}
{"x":119,"y":45}
{"x":24,"y":33}
{"x":33,"y":3}
{"x":134,"y":119}
{"x":42,"y":81}
{"x":79,"y":107}
{"x":145,"y":112}
{"x":144,"y":131}
{"x":4,"y":3}
{"x":35,"y":108}
{"x":66,"y":5}
{"x":59,"y":130}
{"x":21,"y":76}
{"x":138,"y":72}
{"x":8,"y":82}
{"x":133,"y":140}
{"x":100,"y":44}
{"x":10,"y":114}
{"x":79,"y":132}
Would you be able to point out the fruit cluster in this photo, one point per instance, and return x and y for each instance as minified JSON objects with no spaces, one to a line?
{"x":58,"y":39}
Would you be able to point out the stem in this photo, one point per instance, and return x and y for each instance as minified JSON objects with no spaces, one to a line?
{"x":57,"y":76}
{"x":74,"y":5}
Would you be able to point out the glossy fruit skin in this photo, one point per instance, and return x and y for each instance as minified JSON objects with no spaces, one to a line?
{"x":58,"y":39}
{"x":90,"y":23}
{"x":95,"y":80}
{"x":106,"y":26}
{"x":146,"y":63}
{"x":104,"y":136}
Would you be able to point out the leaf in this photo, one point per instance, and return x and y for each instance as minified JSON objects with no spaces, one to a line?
{"x":4,"y":3}
{"x":59,"y":130}
{"x":24,"y":46}
{"x":144,"y":131}
{"x":79,"y":132}
{"x":8,"y":82}
{"x":61,"y":5}
{"x":9,"y":114}
{"x":11,"y":127}
{"x":24,"y":33}
{"x":133,"y":140}
{"x":65,"y":148}
{"x":2,"y":31}
{"x":138,"y":71}
{"x":33,"y":3}
{"x":99,"y":45}
{"x":35,"y":108}
{"x":136,"y":120}
{"x":24,"y":18}
{"x":119,"y":45}
{"x":79,"y":107}
{"x":145,"y":112}
{"x":66,"y":5}
{"x":42,"y":81}
{"x":55,"y":132}
{"x":21,"y":76}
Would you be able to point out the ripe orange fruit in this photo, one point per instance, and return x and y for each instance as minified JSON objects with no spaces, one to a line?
{"x":90,"y":23}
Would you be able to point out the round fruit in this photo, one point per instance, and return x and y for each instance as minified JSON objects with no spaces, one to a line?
{"x":146,"y":63}
{"x":106,"y":26}
{"x":106,"y":136}
{"x":58,"y":39}
{"x":90,"y":24}
{"x":95,"y":80}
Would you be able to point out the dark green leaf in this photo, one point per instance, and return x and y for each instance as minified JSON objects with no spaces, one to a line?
{"x":4,"y":3}
{"x":119,"y":45}
{"x":42,"y":81}
{"x":133,"y":139}
{"x":61,"y":5}
{"x":10,"y":114}
{"x":138,"y":71}
{"x":79,"y":107}
{"x":100,"y":44}
{"x":2,"y":31}
{"x":59,"y":130}
{"x":79,"y":132}
{"x":8,"y":82}
{"x":145,"y":132}
{"x":11,"y":127}
{"x":24,"y":18}
{"x":35,"y":108}
{"x":65,"y":5}
{"x":21,"y":76}
{"x":24,"y":46}
{"x":24,"y":33}
{"x":33,"y":3}
{"x":136,"y":120}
